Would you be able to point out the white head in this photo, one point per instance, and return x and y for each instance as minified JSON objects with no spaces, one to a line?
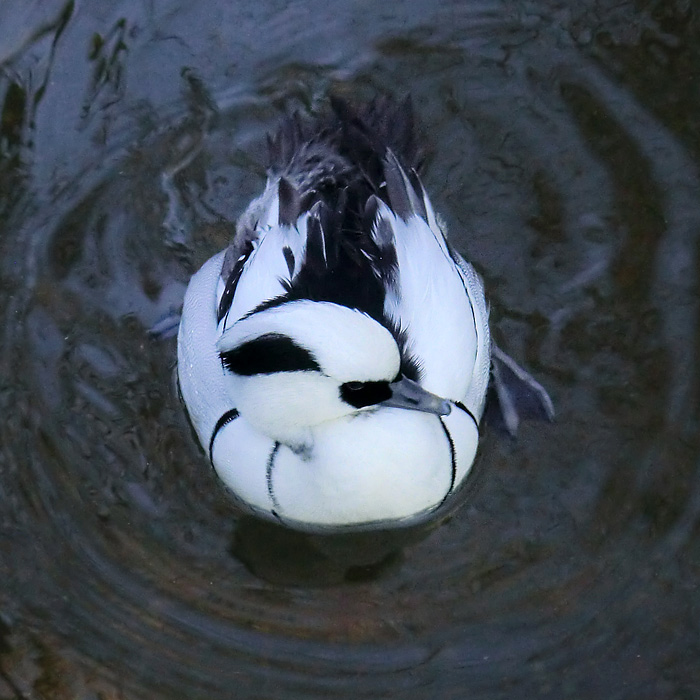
{"x":302,"y":363}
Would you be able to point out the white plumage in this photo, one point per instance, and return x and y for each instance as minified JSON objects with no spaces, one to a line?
{"x":334,"y":360}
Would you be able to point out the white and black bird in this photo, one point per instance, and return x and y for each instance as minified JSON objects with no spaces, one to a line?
{"x":335,"y":359}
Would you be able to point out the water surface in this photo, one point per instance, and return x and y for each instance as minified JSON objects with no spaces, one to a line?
{"x":563,"y":154}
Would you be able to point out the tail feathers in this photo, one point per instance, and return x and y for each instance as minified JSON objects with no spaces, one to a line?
{"x":346,"y":147}
{"x":305,"y":152}
{"x":403,"y":194}
{"x":372,"y":129}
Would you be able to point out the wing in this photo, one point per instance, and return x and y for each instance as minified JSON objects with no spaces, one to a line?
{"x":266,"y":254}
{"x":435,"y":299}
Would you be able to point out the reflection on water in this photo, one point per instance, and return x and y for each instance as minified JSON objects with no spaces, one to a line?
{"x":564,"y":156}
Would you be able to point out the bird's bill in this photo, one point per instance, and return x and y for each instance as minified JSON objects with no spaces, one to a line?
{"x":406,"y":393}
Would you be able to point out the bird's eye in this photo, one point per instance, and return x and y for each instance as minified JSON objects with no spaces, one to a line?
{"x":361,"y":394}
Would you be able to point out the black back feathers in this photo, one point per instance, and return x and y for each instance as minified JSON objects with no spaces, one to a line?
{"x":339,"y":168}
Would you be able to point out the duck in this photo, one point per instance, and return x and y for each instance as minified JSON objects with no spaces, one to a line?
{"x":335,"y":358}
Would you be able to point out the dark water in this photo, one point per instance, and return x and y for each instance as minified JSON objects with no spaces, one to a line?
{"x":564,"y":156}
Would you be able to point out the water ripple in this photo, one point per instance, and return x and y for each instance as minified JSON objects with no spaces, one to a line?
{"x":131,"y":137}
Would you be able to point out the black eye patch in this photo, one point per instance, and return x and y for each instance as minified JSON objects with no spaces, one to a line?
{"x":268,"y":354}
{"x":361,"y":394}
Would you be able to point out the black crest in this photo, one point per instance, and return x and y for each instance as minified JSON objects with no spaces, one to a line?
{"x":267,"y":354}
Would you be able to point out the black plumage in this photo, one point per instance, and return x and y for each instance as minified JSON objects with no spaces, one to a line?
{"x":232,"y":280}
{"x":268,"y":354}
{"x":337,"y":167}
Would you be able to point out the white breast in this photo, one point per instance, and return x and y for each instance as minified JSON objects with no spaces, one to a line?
{"x":389,"y":464}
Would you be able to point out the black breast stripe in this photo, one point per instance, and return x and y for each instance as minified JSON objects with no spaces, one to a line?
{"x":453,"y":456}
{"x":270,"y":464}
{"x":224,"y":420}
{"x":462,"y":407}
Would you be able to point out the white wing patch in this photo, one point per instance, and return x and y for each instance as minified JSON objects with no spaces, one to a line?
{"x":267,"y":269}
{"x":432,"y":306}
